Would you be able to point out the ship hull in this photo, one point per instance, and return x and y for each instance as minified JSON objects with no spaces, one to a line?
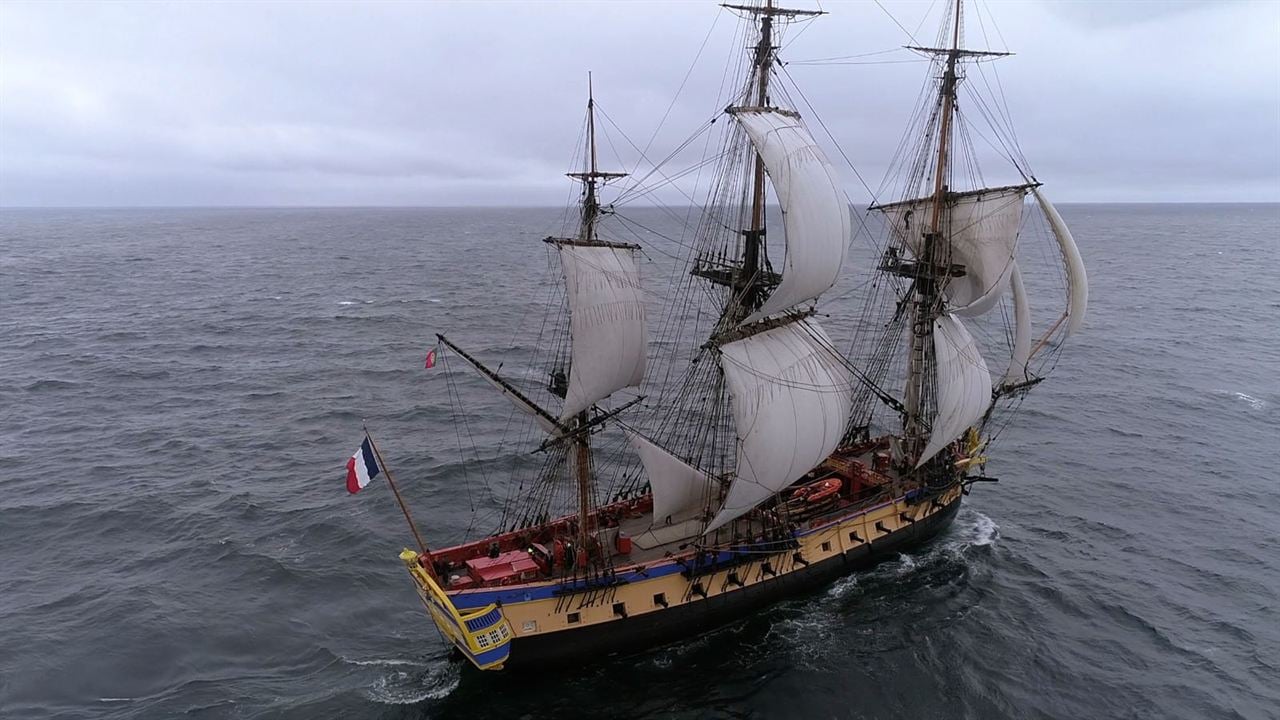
{"x":623,"y":636}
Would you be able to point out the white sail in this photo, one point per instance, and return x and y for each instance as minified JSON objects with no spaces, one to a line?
{"x":790,"y":394}
{"x":1021,"y":329}
{"x":679,"y":489}
{"x":983,"y":230}
{"x":815,"y":211}
{"x":606,"y":321}
{"x":963,"y":387}
{"x":1077,"y":280}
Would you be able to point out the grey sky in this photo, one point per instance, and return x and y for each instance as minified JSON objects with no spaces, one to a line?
{"x":481,"y":103}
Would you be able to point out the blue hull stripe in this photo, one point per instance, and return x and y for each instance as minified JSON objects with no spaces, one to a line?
{"x":502,"y":652}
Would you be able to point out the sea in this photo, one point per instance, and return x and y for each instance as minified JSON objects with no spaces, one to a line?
{"x":180,"y":390}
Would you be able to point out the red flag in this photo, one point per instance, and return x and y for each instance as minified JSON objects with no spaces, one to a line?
{"x":431,"y":359}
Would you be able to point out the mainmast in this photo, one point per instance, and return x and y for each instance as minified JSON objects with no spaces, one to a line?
{"x":935,"y":262}
{"x":748,"y":286}
{"x":749,"y":282}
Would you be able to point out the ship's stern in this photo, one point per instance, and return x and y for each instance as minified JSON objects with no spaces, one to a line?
{"x":482,"y":635}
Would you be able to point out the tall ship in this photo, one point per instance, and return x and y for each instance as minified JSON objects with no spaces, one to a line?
{"x":652,"y":501}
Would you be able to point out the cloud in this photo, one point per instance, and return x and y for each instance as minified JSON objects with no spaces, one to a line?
{"x":482,"y":103}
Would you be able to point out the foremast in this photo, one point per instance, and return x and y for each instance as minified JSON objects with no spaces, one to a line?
{"x":963,"y":249}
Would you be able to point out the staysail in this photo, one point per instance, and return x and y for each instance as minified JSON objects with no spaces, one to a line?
{"x":1021,"y":351}
{"x":815,"y":210}
{"x":790,"y":395}
{"x":679,"y":489}
{"x":1077,"y":280}
{"x":982,"y":227}
{"x":606,"y":322}
{"x":963,"y":384}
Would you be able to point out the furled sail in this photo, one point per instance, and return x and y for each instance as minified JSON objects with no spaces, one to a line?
{"x":679,"y":489}
{"x":1021,"y":329}
{"x":790,"y":394}
{"x":606,"y":322}
{"x":1077,"y":280}
{"x":963,"y":384}
{"x":815,"y":210}
{"x":982,"y":227}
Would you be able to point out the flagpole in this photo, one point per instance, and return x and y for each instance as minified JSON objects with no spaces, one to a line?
{"x":404,"y":509}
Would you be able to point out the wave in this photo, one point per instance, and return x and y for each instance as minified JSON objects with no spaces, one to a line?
{"x":51,"y":385}
{"x":387,"y":662}
{"x":1253,"y":402}
{"x":403,"y":687}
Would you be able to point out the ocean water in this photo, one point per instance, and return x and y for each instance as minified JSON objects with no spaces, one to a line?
{"x":179,"y":390}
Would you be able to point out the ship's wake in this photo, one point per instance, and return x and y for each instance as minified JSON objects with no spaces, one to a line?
{"x":860,"y":602}
{"x":409,"y":682}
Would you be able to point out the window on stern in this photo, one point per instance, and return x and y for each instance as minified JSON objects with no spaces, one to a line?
{"x":574,"y":618}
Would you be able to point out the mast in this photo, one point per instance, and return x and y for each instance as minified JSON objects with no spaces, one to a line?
{"x":581,"y":444}
{"x":934,"y":265}
{"x":587,"y":236}
{"x":748,"y":290}
{"x":748,"y":281}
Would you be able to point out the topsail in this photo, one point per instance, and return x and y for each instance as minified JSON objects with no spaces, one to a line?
{"x":815,"y":210}
{"x":982,"y":228}
{"x":606,"y":320}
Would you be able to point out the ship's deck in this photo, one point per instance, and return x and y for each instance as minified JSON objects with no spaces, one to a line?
{"x":546,"y":552}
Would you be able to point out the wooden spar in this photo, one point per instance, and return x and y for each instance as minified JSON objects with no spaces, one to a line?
{"x":506,"y":387}
{"x":590,"y":207}
{"x":944,"y":136}
{"x":927,"y":286}
{"x":748,"y":294}
{"x":583,"y":470}
{"x":764,"y":53}
{"x":591,"y":120}
{"x":1044,"y":339}
{"x":422,"y":547}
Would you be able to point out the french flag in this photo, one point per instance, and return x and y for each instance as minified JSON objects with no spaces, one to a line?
{"x":362,"y":467}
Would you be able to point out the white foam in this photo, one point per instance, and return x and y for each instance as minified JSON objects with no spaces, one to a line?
{"x":401,"y":687}
{"x":984,"y":530}
{"x":389,"y":662}
{"x":346,"y":302}
{"x":1255,"y":403}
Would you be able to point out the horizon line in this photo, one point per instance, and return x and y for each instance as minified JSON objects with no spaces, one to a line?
{"x":540,"y":206}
